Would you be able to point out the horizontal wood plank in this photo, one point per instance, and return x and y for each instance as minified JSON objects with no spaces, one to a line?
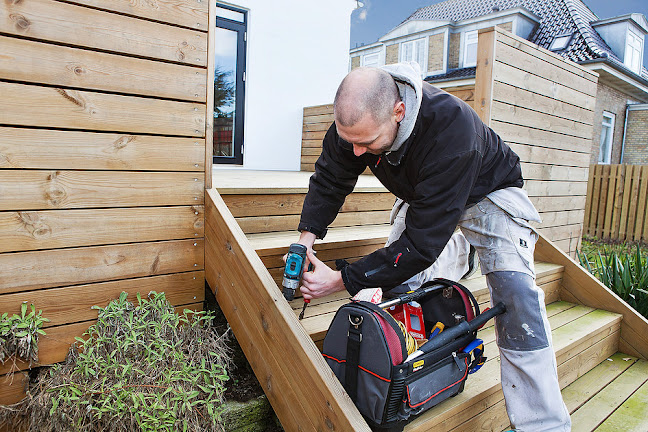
{"x":61,"y":150}
{"x":187,"y":13}
{"x":538,"y":120}
{"x":29,"y":105}
{"x":24,"y":271}
{"x":555,"y":188}
{"x":47,"y":229}
{"x":254,"y":225}
{"x":506,"y":93}
{"x":521,"y":44}
{"x":535,"y":154}
{"x":320,"y":118}
{"x":73,"y":304}
{"x":318,"y":110}
{"x":97,"y":29}
{"x":35,"y":190}
{"x":72,"y":67}
{"x":537,"y":171}
{"x":286,"y":204}
{"x":546,"y":139}
{"x":535,"y":65}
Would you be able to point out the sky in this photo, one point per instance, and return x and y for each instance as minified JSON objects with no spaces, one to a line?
{"x":377,"y":17}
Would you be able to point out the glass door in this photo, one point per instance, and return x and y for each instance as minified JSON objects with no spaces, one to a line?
{"x":229,"y":85}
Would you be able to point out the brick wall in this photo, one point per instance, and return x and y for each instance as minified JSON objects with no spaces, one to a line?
{"x":614,"y":101}
{"x":453,"y":50}
{"x":636,"y":145}
{"x":391,"y":54}
{"x":355,"y":62}
{"x":435,"y":52}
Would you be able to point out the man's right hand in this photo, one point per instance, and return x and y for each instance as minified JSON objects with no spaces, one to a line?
{"x":307,"y":239}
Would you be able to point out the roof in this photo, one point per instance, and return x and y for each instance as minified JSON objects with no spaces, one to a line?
{"x":453,"y":74}
{"x":557,"y":17}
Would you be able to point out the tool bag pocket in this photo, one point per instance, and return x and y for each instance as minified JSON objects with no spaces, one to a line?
{"x":435,"y":384}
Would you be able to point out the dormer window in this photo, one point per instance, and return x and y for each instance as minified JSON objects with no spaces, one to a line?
{"x":414,"y":51}
{"x":470,"y":49}
{"x":370,"y":60}
{"x":560,"y":42}
{"x":633,"y":52}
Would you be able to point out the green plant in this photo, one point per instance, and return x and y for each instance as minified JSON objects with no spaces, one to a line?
{"x":19,"y":334}
{"x":624,"y":273}
{"x":142,"y":368}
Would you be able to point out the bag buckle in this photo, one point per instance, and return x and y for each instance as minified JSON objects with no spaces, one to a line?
{"x":447,"y":292}
{"x":356,"y":320}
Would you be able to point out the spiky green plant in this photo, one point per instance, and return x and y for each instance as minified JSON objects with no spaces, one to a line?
{"x":624,"y":273}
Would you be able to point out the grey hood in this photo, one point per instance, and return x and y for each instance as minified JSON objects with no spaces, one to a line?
{"x":410,"y":86}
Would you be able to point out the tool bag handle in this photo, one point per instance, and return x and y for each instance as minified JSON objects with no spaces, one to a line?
{"x":427,"y":289}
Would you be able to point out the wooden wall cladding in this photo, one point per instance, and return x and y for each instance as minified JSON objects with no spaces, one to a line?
{"x":317,"y":120}
{"x":542,"y":106}
{"x":102,"y":157}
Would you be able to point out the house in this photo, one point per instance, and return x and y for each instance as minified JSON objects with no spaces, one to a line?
{"x":442,"y":38}
{"x":264,"y":76}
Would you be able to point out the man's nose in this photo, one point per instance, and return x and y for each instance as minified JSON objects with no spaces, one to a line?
{"x":359,"y":150}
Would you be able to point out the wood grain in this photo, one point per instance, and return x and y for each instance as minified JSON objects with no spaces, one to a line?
{"x":47,"y":229}
{"x":100,"y":30}
{"x":72,"y":67}
{"x":29,"y":105}
{"x":35,"y":190}
{"x":32,"y":270}
{"x":187,"y":13}
{"x":61,"y":150}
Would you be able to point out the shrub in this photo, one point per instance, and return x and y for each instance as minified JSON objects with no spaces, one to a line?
{"x":624,"y":273}
{"x":19,"y":334}
{"x":141,"y":368}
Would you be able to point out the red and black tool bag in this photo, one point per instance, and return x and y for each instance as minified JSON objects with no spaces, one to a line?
{"x":365,"y":348}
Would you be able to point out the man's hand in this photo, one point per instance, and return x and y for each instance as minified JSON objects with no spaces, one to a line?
{"x":322,"y":281}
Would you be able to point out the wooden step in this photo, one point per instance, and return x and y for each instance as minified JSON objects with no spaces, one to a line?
{"x":320,"y":312}
{"x":583,"y":337}
{"x":611,"y":397}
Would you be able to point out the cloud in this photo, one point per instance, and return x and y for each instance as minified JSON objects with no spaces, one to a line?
{"x":362,"y":16}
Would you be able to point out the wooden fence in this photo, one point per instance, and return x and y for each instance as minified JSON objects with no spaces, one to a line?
{"x":616,"y":202}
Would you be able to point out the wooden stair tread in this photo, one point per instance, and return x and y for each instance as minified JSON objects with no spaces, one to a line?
{"x":277,"y":242}
{"x":237,"y":181}
{"x":465,"y":412}
{"x":320,"y":312}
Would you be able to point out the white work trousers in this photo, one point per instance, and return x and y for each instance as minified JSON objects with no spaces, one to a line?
{"x":498,"y":227}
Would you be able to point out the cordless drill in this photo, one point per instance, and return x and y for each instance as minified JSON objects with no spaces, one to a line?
{"x":293,"y":273}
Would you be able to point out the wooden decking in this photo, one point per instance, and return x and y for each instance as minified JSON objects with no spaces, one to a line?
{"x":590,"y":327}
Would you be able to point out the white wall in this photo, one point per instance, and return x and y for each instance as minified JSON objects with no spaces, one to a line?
{"x":297,"y":54}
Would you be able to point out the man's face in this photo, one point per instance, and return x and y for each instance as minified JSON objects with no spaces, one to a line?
{"x":368,"y":136}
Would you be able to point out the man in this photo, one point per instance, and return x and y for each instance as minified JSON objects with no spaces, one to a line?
{"x":431,"y":150}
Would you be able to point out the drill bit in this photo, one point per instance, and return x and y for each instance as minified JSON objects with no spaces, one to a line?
{"x":301,"y":315}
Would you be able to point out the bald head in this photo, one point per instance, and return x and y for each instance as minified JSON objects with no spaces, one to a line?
{"x":364,"y":91}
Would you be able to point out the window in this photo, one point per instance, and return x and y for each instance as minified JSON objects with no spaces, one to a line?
{"x":414,"y":51}
{"x":633,"y":52}
{"x":229,"y":84}
{"x":607,"y":134}
{"x":470,"y":49}
{"x":370,"y":59}
{"x":560,"y":42}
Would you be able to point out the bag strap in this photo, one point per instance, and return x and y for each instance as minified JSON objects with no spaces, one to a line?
{"x":354,"y":338}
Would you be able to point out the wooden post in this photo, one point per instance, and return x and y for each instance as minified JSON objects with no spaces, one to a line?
{"x":484,"y":74}
{"x":209,"y":109}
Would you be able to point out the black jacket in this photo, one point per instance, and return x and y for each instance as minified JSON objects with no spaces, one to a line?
{"x":450,"y":161}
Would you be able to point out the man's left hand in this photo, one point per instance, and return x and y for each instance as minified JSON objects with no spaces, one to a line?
{"x":322,"y":281}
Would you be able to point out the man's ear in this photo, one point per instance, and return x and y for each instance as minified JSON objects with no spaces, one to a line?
{"x":399,"y":111}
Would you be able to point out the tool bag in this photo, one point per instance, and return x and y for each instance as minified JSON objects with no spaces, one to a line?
{"x":365,"y":348}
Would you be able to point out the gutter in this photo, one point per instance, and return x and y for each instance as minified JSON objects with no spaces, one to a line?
{"x":625,"y":128}
{"x":606,"y":60}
